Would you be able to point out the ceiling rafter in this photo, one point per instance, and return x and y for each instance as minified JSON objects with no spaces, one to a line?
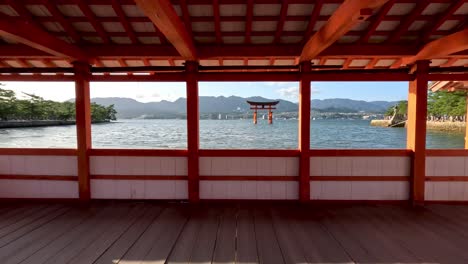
{"x":313,"y":19}
{"x":93,"y":20}
{"x":377,"y":19}
{"x":396,"y":64}
{"x":372,"y":63}
{"x":449,"y":62}
{"x":67,"y":26}
{"x":350,"y":13}
{"x":441,"y":47}
{"x":347,"y":62}
{"x":441,"y":19}
{"x":186,"y":17}
{"x":281,"y":21}
{"x":33,"y":36}
{"x":163,"y":15}
{"x":249,"y":21}
{"x":123,"y":20}
{"x":407,"y":21}
{"x":217,"y":21}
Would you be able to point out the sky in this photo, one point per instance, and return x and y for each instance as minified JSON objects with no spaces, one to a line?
{"x":154,"y":92}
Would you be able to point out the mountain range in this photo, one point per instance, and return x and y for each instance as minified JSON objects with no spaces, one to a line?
{"x":130,"y":108}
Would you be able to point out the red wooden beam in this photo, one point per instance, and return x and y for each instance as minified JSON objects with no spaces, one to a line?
{"x":416,"y":130}
{"x":376,"y":21}
{"x":313,"y":19}
{"x":67,"y":26}
{"x":372,"y":63}
{"x":83,"y":127}
{"x":350,"y":13}
{"x":186,"y":17}
{"x":93,"y":20}
{"x":31,"y":35}
{"x":123,"y":20}
{"x":304,"y":132}
{"x":282,"y":19}
{"x":441,"y":47}
{"x":449,"y":62}
{"x":217,"y":21}
{"x":409,"y":19}
{"x":347,"y":63}
{"x":193,"y":144}
{"x":441,"y":19}
{"x":163,"y":15}
{"x":249,"y":21}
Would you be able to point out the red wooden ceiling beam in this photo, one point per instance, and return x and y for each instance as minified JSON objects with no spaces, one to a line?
{"x":249,"y":21}
{"x":347,"y":62}
{"x":282,"y":19}
{"x":407,"y":21}
{"x":449,"y":62}
{"x":350,"y":13}
{"x":186,"y":17}
{"x":92,"y":19}
{"x":447,"y":45}
{"x":314,"y":17}
{"x":67,"y":26}
{"x":376,"y":21}
{"x":217,"y":21}
{"x":441,"y":19}
{"x":372,"y":63}
{"x":33,"y":36}
{"x":163,"y":15}
{"x":123,"y":20}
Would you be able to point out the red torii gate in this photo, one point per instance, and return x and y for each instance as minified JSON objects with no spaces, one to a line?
{"x":260,"y":106}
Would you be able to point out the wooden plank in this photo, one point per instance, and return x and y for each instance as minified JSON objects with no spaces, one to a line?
{"x":291,"y":248}
{"x":12,"y":216}
{"x":172,"y":227}
{"x":20,"y":223}
{"x":225,"y":250}
{"x":307,"y":227}
{"x":203,"y":249}
{"x":269,"y":250}
{"x":246,"y":237}
{"x":97,"y":247}
{"x":85,"y":232}
{"x":30,"y":243}
{"x":115,"y":252}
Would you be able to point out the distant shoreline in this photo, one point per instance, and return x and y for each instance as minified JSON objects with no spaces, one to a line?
{"x":39,"y":123}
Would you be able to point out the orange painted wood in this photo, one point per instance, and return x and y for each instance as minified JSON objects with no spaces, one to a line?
{"x":139,"y":152}
{"x":441,"y":47}
{"x":416,"y":129}
{"x":446,"y":152}
{"x":359,"y":178}
{"x":38,"y":152}
{"x":304,"y":132}
{"x":33,"y":36}
{"x":83,"y":127}
{"x":447,"y":178}
{"x":193,"y":139}
{"x":360,"y":152}
{"x":139,"y":177}
{"x":38,"y":177}
{"x":248,"y":153}
{"x":163,"y":15}
{"x":350,"y":13}
{"x":249,"y":178}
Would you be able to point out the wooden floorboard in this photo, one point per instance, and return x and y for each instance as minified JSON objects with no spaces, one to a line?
{"x":138,"y":232}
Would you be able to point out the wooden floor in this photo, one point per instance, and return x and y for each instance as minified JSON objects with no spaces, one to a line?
{"x":130,"y":232}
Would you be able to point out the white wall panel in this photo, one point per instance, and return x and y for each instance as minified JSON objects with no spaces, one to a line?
{"x":261,"y":190}
{"x":446,"y":166}
{"x":358,"y":190}
{"x":123,"y":165}
{"x":359,"y":166}
{"x":139,"y":189}
{"x":38,"y":189}
{"x":38,"y":165}
{"x":249,"y":166}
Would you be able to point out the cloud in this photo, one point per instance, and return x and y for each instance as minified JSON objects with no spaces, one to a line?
{"x":289,"y":92}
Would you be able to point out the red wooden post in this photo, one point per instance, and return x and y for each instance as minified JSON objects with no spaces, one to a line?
{"x":193,"y":145}
{"x":83,"y":127}
{"x":416,"y":130}
{"x":304,"y":133}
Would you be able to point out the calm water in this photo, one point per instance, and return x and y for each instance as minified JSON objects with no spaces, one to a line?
{"x":339,"y":134}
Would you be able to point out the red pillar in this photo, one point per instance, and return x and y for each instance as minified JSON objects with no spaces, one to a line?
{"x":83,"y":127}
{"x":304,"y":133}
{"x":193,"y":145}
{"x":416,"y":130}
{"x":255,"y":116}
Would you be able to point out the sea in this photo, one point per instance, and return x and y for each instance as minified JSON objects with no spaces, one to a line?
{"x":225,"y":134}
